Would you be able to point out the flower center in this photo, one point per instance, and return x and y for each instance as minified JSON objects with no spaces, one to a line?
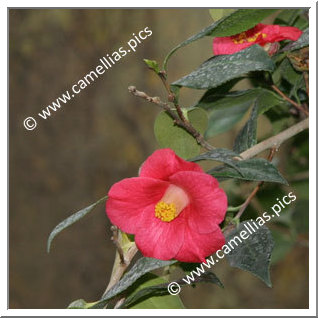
{"x":171,"y":204}
{"x":243,"y":37}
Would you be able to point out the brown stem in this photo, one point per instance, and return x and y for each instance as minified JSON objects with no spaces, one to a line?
{"x":299,"y":107}
{"x":177,"y":119}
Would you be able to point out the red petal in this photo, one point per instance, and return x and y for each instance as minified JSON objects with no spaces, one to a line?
{"x":163,"y":163}
{"x":208,"y":202}
{"x":272,"y":33}
{"x":276,"y":33}
{"x":225,"y":45}
{"x":197,"y":247}
{"x":158,"y":239}
{"x":128,"y":198}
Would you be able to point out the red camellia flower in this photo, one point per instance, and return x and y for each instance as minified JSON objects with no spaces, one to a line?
{"x":261,"y":34}
{"x":174,"y":209}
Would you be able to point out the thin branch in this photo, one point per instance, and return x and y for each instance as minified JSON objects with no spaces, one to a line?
{"x":115,"y":240}
{"x":177,"y":120}
{"x":121,"y":268}
{"x":298,"y":106}
{"x":275,"y":141}
{"x":272,"y":143}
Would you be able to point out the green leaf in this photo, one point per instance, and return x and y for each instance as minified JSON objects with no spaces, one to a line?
{"x":241,"y":20}
{"x":162,"y":289}
{"x":252,"y":254}
{"x":215,"y":93}
{"x":222,"y":68}
{"x":152,"y":294}
{"x":153,"y":65}
{"x":279,"y":118}
{"x":236,"y":22}
{"x":283,"y":245}
{"x":204,"y":32}
{"x":218,"y":14}
{"x":220,"y":155}
{"x":301,"y":42}
{"x":80,"y":304}
{"x":256,"y":169}
{"x":71,"y":220}
{"x":288,"y":72}
{"x":300,"y":217}
{"x":172,"y":136}
{"x":141,"y":267}
{"x":246,"y":138}
{"x":226,"y":110}
{"x":287,"y":17}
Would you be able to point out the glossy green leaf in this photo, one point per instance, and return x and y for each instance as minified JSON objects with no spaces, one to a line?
{"x":172,"y":136}
{"x":236,"y":22}
{"x":301,"y":42}
{"x":152,"y":294}
{"x":256,"y":169}
{"x":246,"y":138}
{"x":222,"y":68}
{"x":220,"y":155}
{"x":252,"y":254}
{"x":225,"y":111}
{"x":218,"y":14}
{"x":162,"y":289}
{"x":215,"y":93}
{"x":141,"y":267}
{"x":241,"y":20}
{"x":71,"y":220}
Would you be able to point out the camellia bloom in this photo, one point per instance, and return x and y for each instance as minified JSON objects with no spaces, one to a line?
{"x":261,"y":34}
{"x":174,"y":209}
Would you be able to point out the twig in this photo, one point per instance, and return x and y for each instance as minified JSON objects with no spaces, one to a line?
{"x":114,"y":238}
{"x":299,"y":107}
{"x":275,"y":141}
{"x":119,"y":269}
{"x":119,"y":302}
{"x":185,"y":124}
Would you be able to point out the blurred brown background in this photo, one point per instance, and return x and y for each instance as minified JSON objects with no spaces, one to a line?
{"x":101,"y":136}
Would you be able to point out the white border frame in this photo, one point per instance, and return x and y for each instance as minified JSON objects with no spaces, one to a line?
{"x":177,"y":312}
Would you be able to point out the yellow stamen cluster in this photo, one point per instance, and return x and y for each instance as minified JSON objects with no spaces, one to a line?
{"x":242,"y":37}
{"x":165,"y":211}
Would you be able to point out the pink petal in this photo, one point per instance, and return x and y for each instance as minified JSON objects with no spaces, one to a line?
{"x":272,"y":33}
{"x":128,"y":198}
{"x":163,"y":163}
{"x":225,"y":45}
{"x":208,"y":202}
{"x":158,"y":239}
{"x":196,"y":247}
{"x":276,"y":33}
